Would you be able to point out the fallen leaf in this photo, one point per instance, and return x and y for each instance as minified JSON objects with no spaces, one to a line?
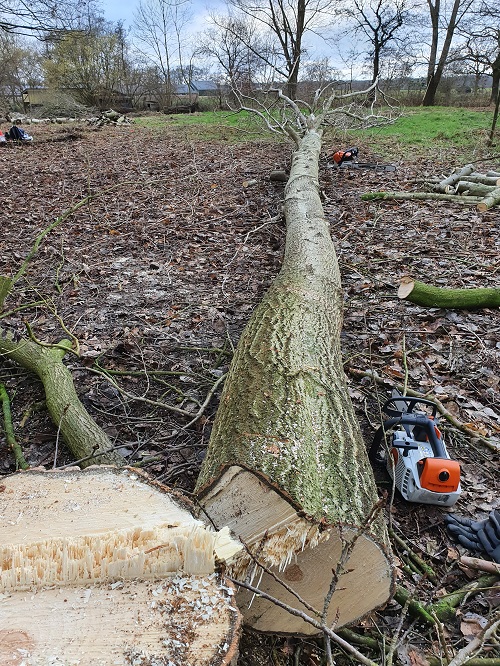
{"x":472,"y":625}
{"x":417,"y":658}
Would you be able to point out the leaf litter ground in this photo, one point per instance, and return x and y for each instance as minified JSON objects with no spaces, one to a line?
{"x":157,"y":274}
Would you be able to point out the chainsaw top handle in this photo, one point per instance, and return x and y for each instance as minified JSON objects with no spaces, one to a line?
{"x":391,"y":409}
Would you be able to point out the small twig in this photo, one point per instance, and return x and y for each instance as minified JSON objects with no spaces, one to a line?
{"x":318,"y":625}
{"x":204,"y":404}
{"x":48,"y":345}
{"x":415,"y":608}
{"x":75,"y":463}
{"x":9,"y":430}
{"x":441,"y":636}
{"x":58,"y":434}
{"x":423,"y":566}
{"x":396,"y":638}
{"x":405,"y":366}
{"x":478,"y":642}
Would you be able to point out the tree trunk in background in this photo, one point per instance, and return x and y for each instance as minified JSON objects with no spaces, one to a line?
{"x":435,"y":70}
{"x":287,"y":468}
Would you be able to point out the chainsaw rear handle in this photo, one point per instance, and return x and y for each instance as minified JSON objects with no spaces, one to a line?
{"x":409,"y":419}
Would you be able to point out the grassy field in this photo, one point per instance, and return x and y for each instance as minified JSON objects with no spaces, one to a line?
{"x":433,"y":132}
{"x":437,"y":130}
{"x":209,"y":125}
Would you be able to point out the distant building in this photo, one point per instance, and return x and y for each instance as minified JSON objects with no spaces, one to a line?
{"x":201,"y":88}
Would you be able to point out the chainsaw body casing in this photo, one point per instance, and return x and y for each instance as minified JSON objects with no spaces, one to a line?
{"x":411,"y":468}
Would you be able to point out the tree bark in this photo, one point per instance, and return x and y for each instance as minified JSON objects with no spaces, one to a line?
{"x":485,"y":179}
{"x":437,"y":297}
{"x":436,"y":73}
{"x":83,"y":437}
{"x":469,"y":188}
{"x":107,"y":567}
{"x":287,"y":468}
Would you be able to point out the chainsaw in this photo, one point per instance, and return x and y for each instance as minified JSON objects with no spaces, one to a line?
{"x":348,"y":159}
{"x":416,"y":457}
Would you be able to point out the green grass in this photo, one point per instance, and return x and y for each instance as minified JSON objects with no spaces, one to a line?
{"x":434,"y":129}
{"x":435,"y":133}
{"x":209,"y":125}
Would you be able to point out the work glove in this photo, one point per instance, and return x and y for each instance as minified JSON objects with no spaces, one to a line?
{"x":477,"y":535}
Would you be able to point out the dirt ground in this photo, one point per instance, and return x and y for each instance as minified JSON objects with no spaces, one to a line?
{"x":156,"y":274}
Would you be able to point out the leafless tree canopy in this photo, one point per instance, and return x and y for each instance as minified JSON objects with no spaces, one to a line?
{"x":40,"y":16}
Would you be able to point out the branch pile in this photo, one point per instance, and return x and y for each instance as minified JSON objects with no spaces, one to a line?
{"x":464,"y":186}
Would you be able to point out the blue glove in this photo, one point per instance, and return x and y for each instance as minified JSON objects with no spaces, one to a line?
{"x":477,"y":535}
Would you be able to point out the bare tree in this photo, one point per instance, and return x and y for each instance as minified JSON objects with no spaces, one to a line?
{"x":19,"y":66}
{"x":379,"y":22}
{"x":159,"y":27}
{"x":234,"y":44}
{"x":40,"y":16}
{"x":481,"y":47}
{"x":90,"y":60}
{"x":288,"y":22}
{"x":444,"y":26}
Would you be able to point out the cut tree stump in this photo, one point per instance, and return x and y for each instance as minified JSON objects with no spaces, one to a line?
{"x":104,"y":567}
{"x":437,"y":297}
{"x":287,"y":468}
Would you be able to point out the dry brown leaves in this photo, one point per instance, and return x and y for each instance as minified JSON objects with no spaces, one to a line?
{"x":157,"y":275}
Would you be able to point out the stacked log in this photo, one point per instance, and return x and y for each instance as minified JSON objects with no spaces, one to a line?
{"x":464,"y":186}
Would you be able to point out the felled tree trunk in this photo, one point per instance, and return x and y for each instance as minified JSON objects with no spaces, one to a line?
{"x":286,"y":467}
{"x":121,"y":573}
{"x":84,"y":438}
{"x":436,"y":297}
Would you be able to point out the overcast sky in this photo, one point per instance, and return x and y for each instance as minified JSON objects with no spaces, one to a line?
{"x":123,"y":10}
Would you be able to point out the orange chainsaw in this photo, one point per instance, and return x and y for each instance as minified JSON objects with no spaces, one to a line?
{"x":416,"y":457}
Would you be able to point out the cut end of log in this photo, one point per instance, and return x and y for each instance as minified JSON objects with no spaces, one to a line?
{"x":118,"y":572}
{"x":105,"y":525}
{"x":181,"y":620}
{"x":301,"y":552}
{"x":405,"y":287}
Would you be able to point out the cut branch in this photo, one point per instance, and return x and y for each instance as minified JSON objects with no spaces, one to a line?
{"x":420,"y":196}
{"x":9,"y":430}
{"x":83,"y":437}
{"x":438,"y":297}
{"x":453,"y":179}
{"x":492,"y":199}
